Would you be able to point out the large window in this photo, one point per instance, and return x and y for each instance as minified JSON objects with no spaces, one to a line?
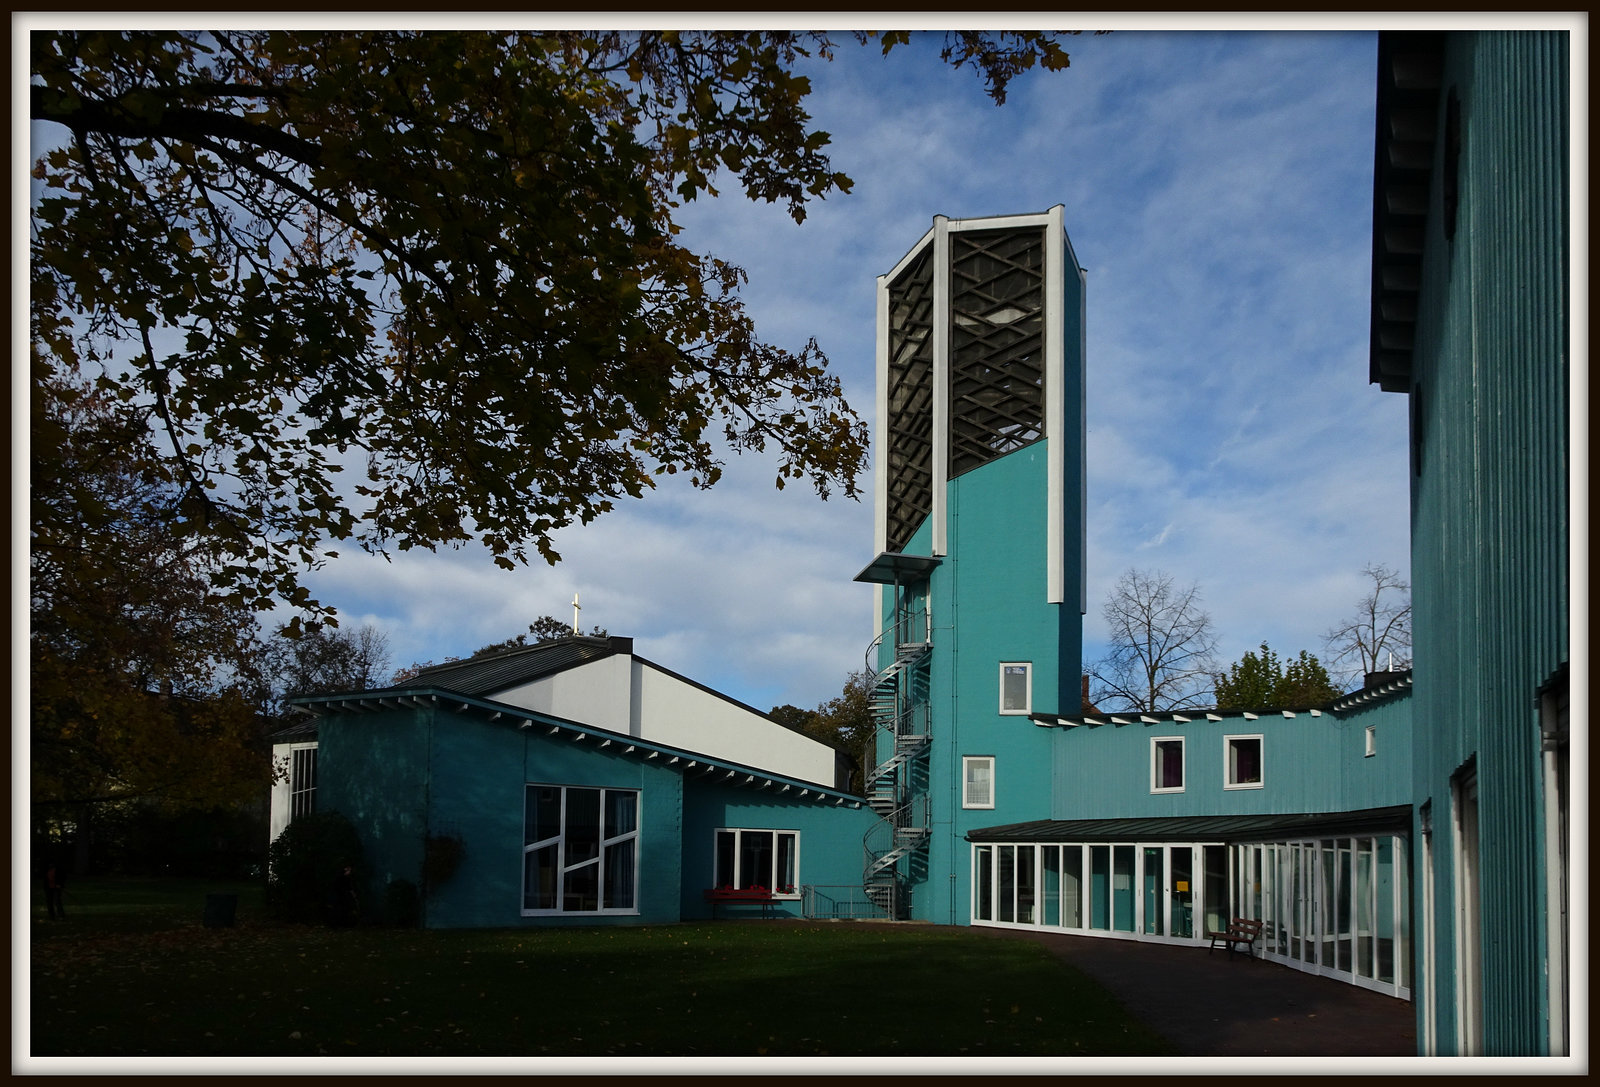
{"x":977,"y":776}
{"x":1166,"y":764}
{"x":1016,"y":687}
{"x":769,"y":859}
{"x":580,"y":850}
{"x":1242,"y":762}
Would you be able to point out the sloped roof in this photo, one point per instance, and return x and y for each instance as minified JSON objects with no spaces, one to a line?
{"x":1217,"y":828}
{"x":503,"y":671}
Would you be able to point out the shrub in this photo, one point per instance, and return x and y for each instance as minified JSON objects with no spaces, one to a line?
{"x":402,"y":903}
{"x":303,"y":861}
{"x":441,"y":856}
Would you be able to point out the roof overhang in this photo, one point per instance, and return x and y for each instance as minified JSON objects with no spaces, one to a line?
{"x":1410,"y":64}
{"x":1206,"y":828}
{"x":894,"y":568}
{"x":693,"y":765}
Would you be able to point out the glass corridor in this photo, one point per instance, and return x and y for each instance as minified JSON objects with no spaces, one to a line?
{"x":1334,"y":906}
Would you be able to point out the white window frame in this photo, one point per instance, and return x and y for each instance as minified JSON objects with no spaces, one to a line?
{"x":1155,"y":764}
{"x":1227,"y":761}
{"x":1466,"y":862}
{"x":302,"y":797}
{"x":1027,"y":672}
{"x":607,"y":841}
{"x":738,"y":855}
{"x":966,"y":783}
{"x":1372,"y":741}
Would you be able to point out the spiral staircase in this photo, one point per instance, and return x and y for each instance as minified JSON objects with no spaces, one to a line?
{"x":896,"y":789}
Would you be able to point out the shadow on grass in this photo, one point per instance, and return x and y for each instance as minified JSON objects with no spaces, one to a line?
{"x":132,"y":976}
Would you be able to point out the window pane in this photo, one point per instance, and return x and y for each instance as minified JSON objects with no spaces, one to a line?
{"x":542,"y":814}
{"x":983,"y":879}
{"x":1169,"y":764}
{"x":539,"y":878}
{"x":1014,"y":688}
{"x":1244,"y":761}
{"x":788,"y":864}
{"x":583,"y":825}
{"x":980,"y":772}
{"x":725,"y":858}
{"x":755,"y":858}
{"x":619,"y":875}
{"x":581,"y":891}
{"x":1072,"y":886}
{"x":622,"y":812}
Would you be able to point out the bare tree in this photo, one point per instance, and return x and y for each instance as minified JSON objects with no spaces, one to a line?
{"x":1162,"y":646}
{"x":1380,"y":625}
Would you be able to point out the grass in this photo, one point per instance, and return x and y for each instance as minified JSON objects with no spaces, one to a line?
{"x":132,"y":972}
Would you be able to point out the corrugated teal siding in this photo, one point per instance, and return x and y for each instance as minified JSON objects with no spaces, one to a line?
{"x":1489,"y":508}
{"x":1309,"y":764}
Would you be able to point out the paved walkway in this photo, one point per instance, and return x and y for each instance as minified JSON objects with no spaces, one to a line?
{"x":1217,"y":1005}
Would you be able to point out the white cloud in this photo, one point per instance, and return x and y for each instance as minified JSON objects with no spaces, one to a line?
{"x":1218,"y":189}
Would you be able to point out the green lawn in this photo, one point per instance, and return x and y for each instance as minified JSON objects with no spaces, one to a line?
{"x":132,"y":972}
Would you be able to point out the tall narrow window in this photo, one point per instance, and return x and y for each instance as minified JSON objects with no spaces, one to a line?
{"x":977,"y":772}
{"x":1016,"y":688}
{"x":1242,"y":769}
{"x":580,"y":850}
{"x":1166,"y":764}
{"x":302,"y":781}
{"x":1469,"y":947}
{"x":1372,"y":741}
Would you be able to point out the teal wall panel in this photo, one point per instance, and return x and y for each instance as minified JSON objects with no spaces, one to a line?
{"x":830,"y":838}
{"x":372,"y":768}
{"x":1489,"y":504}
{"x":1309,"y":764}
{"x":988,"y":603}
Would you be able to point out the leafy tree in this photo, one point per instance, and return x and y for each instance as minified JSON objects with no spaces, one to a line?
{"x":1380,"y":626}
{"x":1251,"y":683}
{"x":137,"y":666}
{"x":843,"y":722}
{"x":1161,"y":646}
{"x":446,"y":263}
{"x":1306,"y":683}
{"x":1260,"y":681}
{"x":320,"y":659}
{"x":547,"y":628}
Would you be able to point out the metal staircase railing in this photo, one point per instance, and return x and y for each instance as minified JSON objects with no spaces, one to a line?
{"x":899,"y":708}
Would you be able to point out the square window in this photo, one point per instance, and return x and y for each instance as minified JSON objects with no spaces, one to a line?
{"x":1243,"y":756}
{"x":1372,"y":741}
{"x":1016,"y":687}
{"x":977,"y":775}
{"x":768,"y":859}
{"x":580,"y":850}
{"x":1166,"y":764}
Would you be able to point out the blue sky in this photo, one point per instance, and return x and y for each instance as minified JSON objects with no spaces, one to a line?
{"x":1217,"y":187}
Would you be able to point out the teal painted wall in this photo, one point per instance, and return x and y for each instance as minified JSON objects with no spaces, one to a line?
{"x":372,"y":768}
{"x":1489,"y":508}
{"x":401,"y":775}
{"x":988,"y":604}
{"x":1309,"y":764}
{"x":830,"y":839}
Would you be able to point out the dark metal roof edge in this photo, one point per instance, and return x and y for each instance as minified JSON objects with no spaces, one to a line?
{"x":1221,"y":828}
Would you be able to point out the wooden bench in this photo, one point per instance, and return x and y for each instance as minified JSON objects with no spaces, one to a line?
{"x":1240,"y":930}
{"x":740,"y":896}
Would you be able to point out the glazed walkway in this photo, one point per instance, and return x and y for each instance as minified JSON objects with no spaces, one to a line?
{"x":1217,"y":1005}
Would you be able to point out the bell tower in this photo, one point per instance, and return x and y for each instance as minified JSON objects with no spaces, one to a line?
{"x":979,"y":537}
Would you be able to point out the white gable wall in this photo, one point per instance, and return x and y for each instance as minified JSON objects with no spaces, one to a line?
{"x":623,"y":694}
